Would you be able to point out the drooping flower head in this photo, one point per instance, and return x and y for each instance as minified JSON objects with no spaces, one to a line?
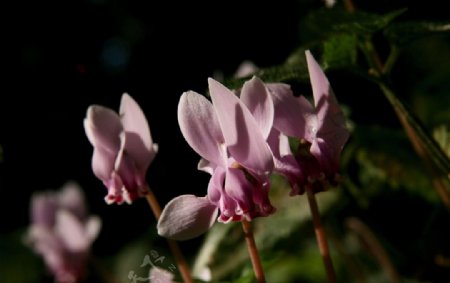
{"x":62,"y":232}
{"x":123,"y":149}
{"x":230,"y":135}
{"x":320,"y":129}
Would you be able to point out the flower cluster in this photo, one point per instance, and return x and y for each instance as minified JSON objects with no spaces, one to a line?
{"x":242,"y":137}
{"x":62,"y":232}
{"x":123,"y":149}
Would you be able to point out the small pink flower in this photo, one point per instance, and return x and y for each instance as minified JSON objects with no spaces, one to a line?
{"x":320,"y":128}
{"x":62,"y":233}
{"x":230,"y":135}
{"x":123,"y":149}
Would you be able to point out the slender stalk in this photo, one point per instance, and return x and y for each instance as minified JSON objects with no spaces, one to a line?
{"x":438,"y":183}
{"x":320,"y":235}
{"x":349,"y":6}
{"x":353,"y":267}
{"x":253,"y":252}
{"x":427,"y":149}
{"x":175,"y":249}
{"x":375,"y":248}
{"x":390,"y":61}
{"x":153,"y":203}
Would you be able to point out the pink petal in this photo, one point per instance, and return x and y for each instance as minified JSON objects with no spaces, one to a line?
{"x":126,"y":166}
{"x":291,"y":113}
{"x":140,"y":144}
{"x":246,"y":68}
{"x":238,"y":188}
{"x":206,"y":166}
{"x":319,"y":82}
{"x":327,"y":156}
{"x":330,"y":119}
{"x":215,"y":185}
{"x":43,"y":209}
{"x":257,"y":99}
{"x":327,"y":107}
{"x":285,"y":162}
{"x":72,"y":199}
{"x":186,"y":217}
{"x":92,"y":228}
{"x":102,"y":127}
{"x":45,"y":242}
{"x":243,"y":137}
{"x":103,"y":163}
{"x":115,"y":189}
{"x":200,"y":127}
{"x":71,"y":232}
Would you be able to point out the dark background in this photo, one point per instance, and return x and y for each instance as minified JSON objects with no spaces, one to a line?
{"x":76,"y":53}
{"x":68,"y":55}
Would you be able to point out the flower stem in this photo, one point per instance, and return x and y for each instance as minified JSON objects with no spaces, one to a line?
{"x":375,"y":247}
{"x":253,"y":252}
{"x":320,"y":236}
{"x":175,"y":249}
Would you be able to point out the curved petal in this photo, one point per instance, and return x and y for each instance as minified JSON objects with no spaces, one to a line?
{"x":285,"y":162}
{"x":136,"y":151}
{"x":215,"y":185}
{"x":103,"y":163}
{"x":115,"y":189}
{"x":43,"y":209}
{"x":71,"y":232}
{"x":243,"y":137}
{"x":93,"y":227}
{"x":186,"y":217}
{"x":103,"y":126}
{"x":257,"y":99}
{"x":327,"y":108}
{"x":330,"y":119}
{"x":140,"y":145}
{"x":45,"y":242}
{"x":319,"y":82}
{"x":238,"y":188}
{"x":200,"y":127}
{"x":206,"y":166}
{"x":326,"y":155}
{"x":246,"y":68}
{"x":72,"y":199}
{"x":291,"y":113}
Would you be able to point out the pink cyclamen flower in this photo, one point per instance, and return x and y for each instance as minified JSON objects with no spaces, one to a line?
{"x":320,"y":128}
{"x":62,"y":232}
{"x":123,"y":149}
{"x":230,"y":135}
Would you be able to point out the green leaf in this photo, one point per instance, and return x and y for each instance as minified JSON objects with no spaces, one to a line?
{"x":442,"y":136}
{"x":433,"y":150}
{"x":401,"y":34}
{"x":386,"y":158}
{"x":326,"y":22}
{"x":225,"y":252}
{"x":339,"y":51}
{"x":18,"y":263}
{"x":294,"y":69}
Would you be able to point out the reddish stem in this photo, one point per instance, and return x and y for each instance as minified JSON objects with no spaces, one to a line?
{"x":320,"y":236}
{"x":253,"y":252}
{"x":175,"y":249}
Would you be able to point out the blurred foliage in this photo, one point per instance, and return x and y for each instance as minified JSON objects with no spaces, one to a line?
{"x":385,"y":222}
